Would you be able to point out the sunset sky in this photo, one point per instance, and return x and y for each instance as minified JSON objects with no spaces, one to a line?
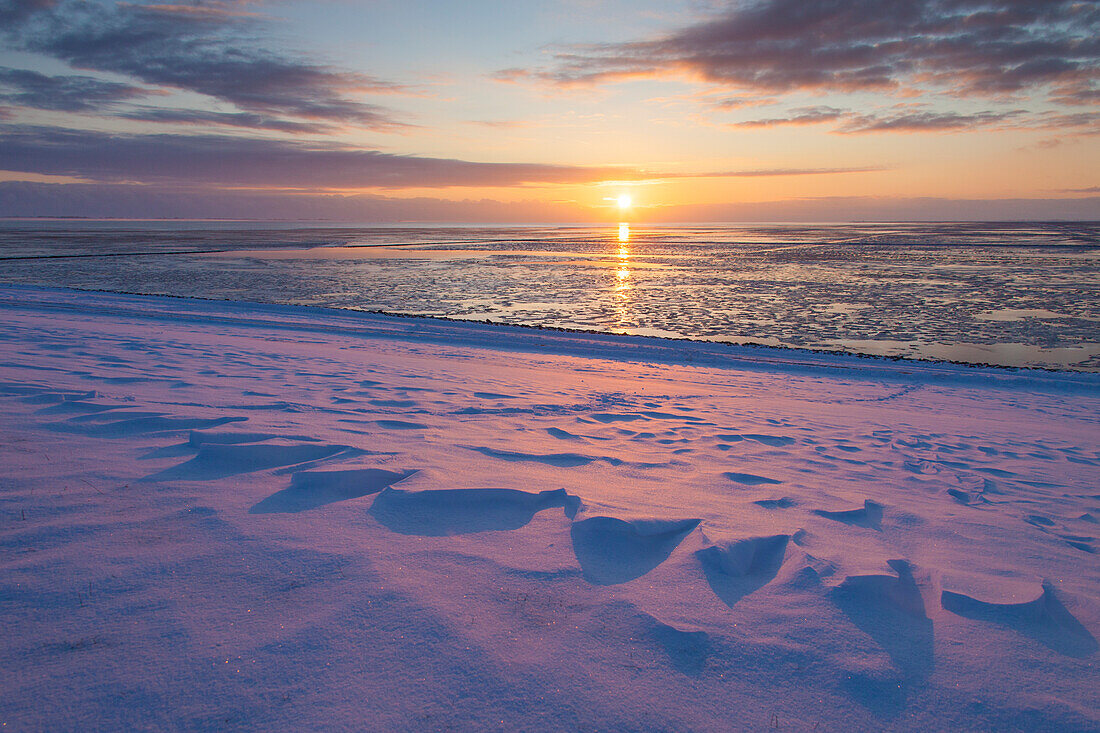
{"x":517,"y":110}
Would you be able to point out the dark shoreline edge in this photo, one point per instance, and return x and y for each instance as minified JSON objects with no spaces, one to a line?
{"x":780,"y":350}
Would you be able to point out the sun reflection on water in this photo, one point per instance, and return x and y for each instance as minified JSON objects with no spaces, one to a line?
{"x":623,"y":271}
{"x":622,"y":278}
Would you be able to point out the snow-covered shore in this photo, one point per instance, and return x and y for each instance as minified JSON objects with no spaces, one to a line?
{"x":224,"y":515}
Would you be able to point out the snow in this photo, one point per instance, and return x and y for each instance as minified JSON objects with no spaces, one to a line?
{"x":227,"y":515}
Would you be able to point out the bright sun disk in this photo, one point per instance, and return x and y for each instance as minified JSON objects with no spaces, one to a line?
{"x":624,"y":201}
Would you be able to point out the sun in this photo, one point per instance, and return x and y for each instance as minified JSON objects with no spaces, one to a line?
{"x":624,"y":201}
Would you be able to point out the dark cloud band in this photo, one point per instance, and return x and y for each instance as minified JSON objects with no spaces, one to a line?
{"x":965,"y":46}
{"x":206,"y":49}
{"x":230,"y":161}
{"x":62,"y":93}
{"x":223,"y":160}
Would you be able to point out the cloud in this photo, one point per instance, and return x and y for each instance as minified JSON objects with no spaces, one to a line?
{"x":62,"y":93}
{"x":797,"y":116}
{"x":222,"y":160}
{"x":501,"y":124}
{"x":227,"y":119}
{"x":729,"y":103}
{"x":1078,"y":123}
{"x":914,"y":119}
{"x":209,"y":49}
{"x":774,"y":172}
{"x":655,"y":176}
{"x":1078,"y":95}
{"x":925,"y":121}
{"x":232,"y":161}
{"x":16,"y":11}
{"x":768,"y":46}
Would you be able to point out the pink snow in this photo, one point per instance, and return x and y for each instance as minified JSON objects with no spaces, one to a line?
{"x":226,"y":515}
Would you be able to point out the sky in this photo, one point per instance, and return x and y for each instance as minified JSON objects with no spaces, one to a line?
{"x":543,"y":111}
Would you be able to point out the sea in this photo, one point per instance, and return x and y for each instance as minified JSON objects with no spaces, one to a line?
{"x":1006,"y":294}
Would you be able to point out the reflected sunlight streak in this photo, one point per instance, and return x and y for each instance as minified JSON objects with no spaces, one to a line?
{"x":622,"y":277}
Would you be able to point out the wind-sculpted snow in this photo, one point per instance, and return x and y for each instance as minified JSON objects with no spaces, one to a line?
{"x":882,"y":603}
{"x":749,"y":479}
{"x":443,"y":512}
{"x":562,"y":460}
{"x":1044,"y":619}
{"x":138,"y":424}
{"x":261,"y":517}
{"x":870,"y":515}
{"x":219,"y":460}
{"x":312,"y":489}
{"x":612,"y":551}
{"x":736,"y":569}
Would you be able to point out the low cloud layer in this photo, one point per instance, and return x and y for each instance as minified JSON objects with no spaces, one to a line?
{"x":223,"y":160}
{"x":227,"y":161}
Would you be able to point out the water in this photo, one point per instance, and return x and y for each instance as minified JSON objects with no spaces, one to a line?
{"x":1007,"y":294}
